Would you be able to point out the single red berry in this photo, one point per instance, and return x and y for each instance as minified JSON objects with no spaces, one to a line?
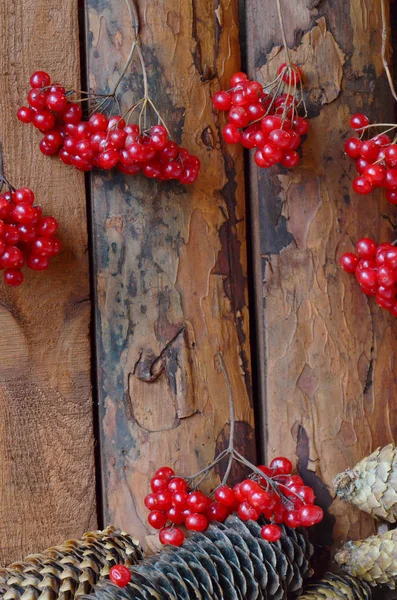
{"x":270,"y":123}
{"x":42,"y":246}
{"x":36,"y":99}
{"x":281,"y":465}
{"x":23,"y":195}
{"x":150,"y":501}
{"x":390,"y":182}
{"x":358,"y":121}
{"x":310,"y":515}
{"x":260,"y":160}
{"x":177,"y":484}
{"x":175,"y":515}
{"x":13,"y":277}
{"x":23,"y":214}
{"x":249,"y":487}
{"x":384,"y":302}
{"x":272,"y":154}
{"x":366,"y":248}
{"x":292,"y":519}
{"x":362,"y":185}
{"x":367,"y":278}
{"x":261,"y":500}
{"x":25,"y":114}
{"x":108,"y":159}
{"x":391,"y":196}
{"x":386,"y":276}
{"x":306,"y":494}
{"x":238,"y":116}
{"x":98,"y":122}
{"x":56,"y":101}
{"x":197,"y":502}
{"x":353,"y":147}
{"x":72,"y":114}
{"x":289,"y":159}
{"x":280,"y":138}
{"x":171,"y":536}
{"x":301,"y":125}
{"x":271,"y":533}
{"x":238,"y":78}
{"x":382,"y":140}
{"x":40,"y":79}
{"x":38,"y":263}
{"x":179,"y":499}
{"x":11,"y":258}
{"x":349,"y":262}
{"x":158,"y":484}
{"x":256,"y":111}
{"x":369,"y":150}
{"x":196,"y":522}
{"x":120,"y":575}
{"x":164,"y":500}
{"x":375,"y":173}
{"x":391,"y":156}
{"x":44,"y":120}
{"x":157,"y":519}
{"x":295,"y":479}
{"x":217,"y":512}
{"x":221,"y":101}
{"x":225,"y":495}
{"x":165,"y":473}
{"x":247,"y":512}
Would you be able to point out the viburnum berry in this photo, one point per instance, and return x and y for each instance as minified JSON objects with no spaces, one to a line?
{"x":171,"y":536}
{"x":225,"y":495}
{"x":271,"y":533}
{"x":281,"y":465}
{"x":358,"y":121}
{"x":120,"y":575}
{"x":157,"y":519}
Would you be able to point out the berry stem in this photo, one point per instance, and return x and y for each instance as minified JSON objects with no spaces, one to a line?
{"x":384,"y":48}
{"x":3,"y":179}
{"x":280,"y":17}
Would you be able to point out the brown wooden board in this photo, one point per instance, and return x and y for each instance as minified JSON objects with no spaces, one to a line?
{"x":327,"y":353}
{"x":47,"y":483}
{"x":170,"y":262}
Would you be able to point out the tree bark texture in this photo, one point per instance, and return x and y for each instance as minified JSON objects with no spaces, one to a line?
{"x":327,"y":352}
{"x":170,"y":262}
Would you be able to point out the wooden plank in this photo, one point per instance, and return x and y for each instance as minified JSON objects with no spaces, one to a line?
{"x":327,"y":353}
{"x":170,"y":262}
{"x":47,"y":482}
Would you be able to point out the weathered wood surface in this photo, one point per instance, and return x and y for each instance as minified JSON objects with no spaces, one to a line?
{"x":170,"y":262}
{"x":47,"y":484}
{"x":327,"y":352}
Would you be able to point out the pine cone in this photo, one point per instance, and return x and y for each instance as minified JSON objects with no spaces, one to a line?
{"x":373,"y":560}
{"x":228,"y":561}
{"x":372,"y":484}
{"x":71,"y":570}
{"x":337,"y":587}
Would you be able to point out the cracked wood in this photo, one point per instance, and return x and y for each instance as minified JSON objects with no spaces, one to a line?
{"x":47,"y":482}
{"x":170,"y":262}
{"x":326,"y":351}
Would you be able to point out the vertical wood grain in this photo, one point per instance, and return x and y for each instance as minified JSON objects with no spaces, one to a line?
{"x":170,"y":262}
{"x":327,"y":352}
{"x":47,"y":483}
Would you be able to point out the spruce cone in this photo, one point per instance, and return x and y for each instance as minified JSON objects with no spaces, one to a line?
{"x":337,"y":587}
{"x":68,"y":571}
{"x":373,"y":560}
{"x":372,"y":484}
{"x":228,"y":561}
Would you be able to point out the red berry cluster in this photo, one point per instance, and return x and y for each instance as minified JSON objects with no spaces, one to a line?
{"x":375,"y":268}
{"x":263,"y":118}
{"x":279,"y":496}
{"x":376,"y":159}
{"x":25,"y":236}
{"x":101,"y":141}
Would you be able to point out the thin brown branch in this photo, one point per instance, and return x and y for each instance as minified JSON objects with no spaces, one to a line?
{"x":280,"y":17}
{"x":385,"y":38}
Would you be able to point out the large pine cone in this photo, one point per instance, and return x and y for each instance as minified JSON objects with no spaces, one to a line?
{"x":69,"y":571}
{"x":372,"y":484}
{"x":227,"y":562}
{"x":373,"y":560}
{"x":337,"y":587}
